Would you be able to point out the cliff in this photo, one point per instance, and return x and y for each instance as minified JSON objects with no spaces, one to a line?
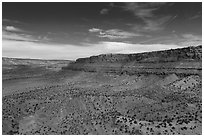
{"x":184,"y":61}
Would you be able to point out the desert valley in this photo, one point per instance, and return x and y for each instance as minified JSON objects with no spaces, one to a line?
{"x":148,"y":93}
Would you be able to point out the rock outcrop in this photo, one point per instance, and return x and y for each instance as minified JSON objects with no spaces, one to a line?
{"x":180,"y":61}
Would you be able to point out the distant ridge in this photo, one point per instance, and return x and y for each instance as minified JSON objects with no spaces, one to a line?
{"x":181,"y":60}
{"x":25,"y":61}
{"x":191,"y":52}
{"x":13,"y":58}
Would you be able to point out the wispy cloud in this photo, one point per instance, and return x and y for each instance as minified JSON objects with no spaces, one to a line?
{"x":13,"y":29}
{"x":7,"y":35}
{"x":152,"y":25}
{"x":104,"y":11}
{"x":117,"y":34}
{"x":95,"y":30}
{"x":13,"y":21}
{"x":196,"y":16}
{"x":114,"y":33}
{"x":18,"y":44}
{"x":191,"y":36}
{"x":145,"y":11}
{"x":16,"y":34}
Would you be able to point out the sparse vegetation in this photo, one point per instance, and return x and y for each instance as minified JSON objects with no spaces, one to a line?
{"x":104,"y":102}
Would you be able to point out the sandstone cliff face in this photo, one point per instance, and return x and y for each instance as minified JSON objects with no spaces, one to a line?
{"x":184,"y":60}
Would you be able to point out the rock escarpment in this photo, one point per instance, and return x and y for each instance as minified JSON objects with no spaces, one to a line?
{"x":181,"y":61}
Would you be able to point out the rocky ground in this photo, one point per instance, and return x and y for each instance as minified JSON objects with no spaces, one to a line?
{"x":108,"y":102}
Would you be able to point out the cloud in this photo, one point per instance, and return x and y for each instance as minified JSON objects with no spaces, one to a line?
{"x":95,"y":30}
{"x":145,"y":11}
{"x":114,"y":33}
{"x":117,"y":34}
{"x":19,"y":36}
{"x":104,"y":11}
{"x":195,"y":16}
{"x":8,"y":35}
{"x":13,"y":21}
{"x":192,"y":37}
{"x":153,"y":25}
{"x":29,"y":46}
{"x":12,"y":28}
{"x":12,"y":33}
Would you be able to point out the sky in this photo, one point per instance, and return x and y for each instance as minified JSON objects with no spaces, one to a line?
{"x":75,"y":30}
